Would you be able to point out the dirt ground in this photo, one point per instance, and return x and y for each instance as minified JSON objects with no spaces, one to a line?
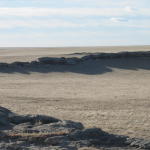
{"x":111,"y":94}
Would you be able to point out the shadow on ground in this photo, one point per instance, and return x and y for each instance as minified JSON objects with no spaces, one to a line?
{"x":90,"y":64}
{"x":32,"y":132}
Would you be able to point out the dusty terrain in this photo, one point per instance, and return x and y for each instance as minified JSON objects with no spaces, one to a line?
{"x":41,"y":132}
{"x":111,"y":94}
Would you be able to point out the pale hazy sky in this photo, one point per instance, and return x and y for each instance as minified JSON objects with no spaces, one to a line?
{"x":74,"y":22}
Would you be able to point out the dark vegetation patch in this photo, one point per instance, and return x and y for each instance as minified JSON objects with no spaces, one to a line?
{"x":34,"y":132}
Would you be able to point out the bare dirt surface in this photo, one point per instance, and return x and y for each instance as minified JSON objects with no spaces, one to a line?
{"x":111,"y":94}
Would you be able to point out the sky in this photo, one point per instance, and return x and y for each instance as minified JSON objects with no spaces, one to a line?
{"x":59,"y":23}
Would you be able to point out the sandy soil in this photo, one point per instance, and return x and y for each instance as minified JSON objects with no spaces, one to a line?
{"x":29,"y":54}
{"x":111,"y":94}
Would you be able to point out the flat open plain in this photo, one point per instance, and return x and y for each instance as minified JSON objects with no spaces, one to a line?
{"x":112,"y":94}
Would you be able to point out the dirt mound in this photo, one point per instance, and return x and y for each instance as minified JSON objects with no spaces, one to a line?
{"x":29,"y":132}
{"x":76,"y":60}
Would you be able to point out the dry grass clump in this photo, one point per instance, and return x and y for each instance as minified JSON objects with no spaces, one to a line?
{"x":36,"y":135}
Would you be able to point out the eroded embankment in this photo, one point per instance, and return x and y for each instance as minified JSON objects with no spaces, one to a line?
{"x":90,"y":63}
{"x":76,"y":60}
{"x":29,"y":132}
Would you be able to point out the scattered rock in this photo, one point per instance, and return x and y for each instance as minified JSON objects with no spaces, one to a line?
{"x":32,"y":132}
{"x":16,"y":119}
{"x":61,"y":126}
{"x":55,"y":140}
{"x":139,"y":143}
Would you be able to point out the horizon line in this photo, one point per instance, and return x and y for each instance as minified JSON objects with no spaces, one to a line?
{"x":72,"y":46}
